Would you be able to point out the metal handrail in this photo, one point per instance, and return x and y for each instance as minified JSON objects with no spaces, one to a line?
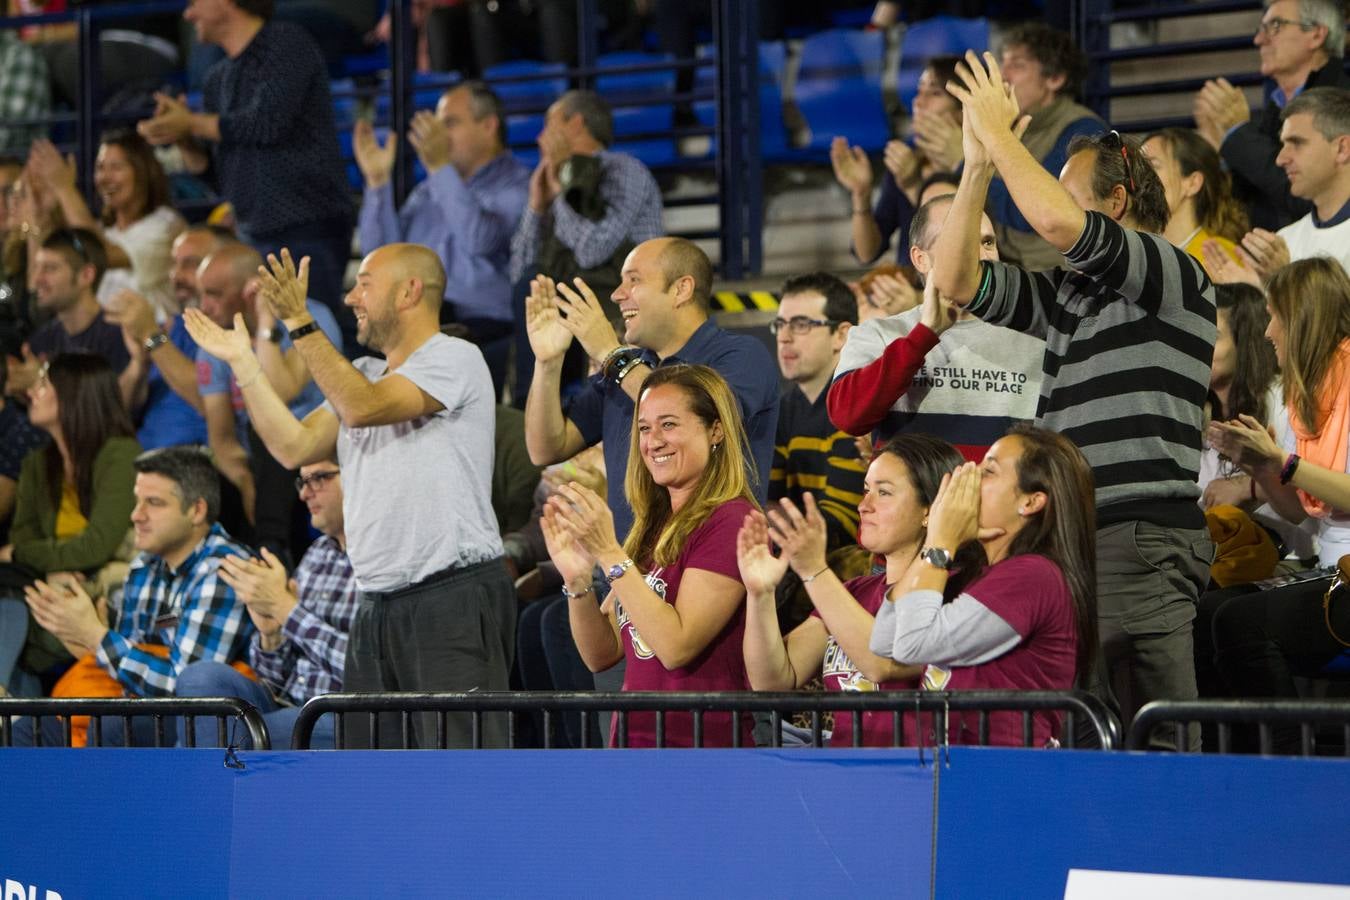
{"x":1264,"y":714}
{"x":158,"y":708}
{"x":1074,"y":704}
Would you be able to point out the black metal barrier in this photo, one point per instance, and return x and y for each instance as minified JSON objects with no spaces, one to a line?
{"x":1267,"y":716}
{"x":163,"y":711}
{"x":1083,"y":713}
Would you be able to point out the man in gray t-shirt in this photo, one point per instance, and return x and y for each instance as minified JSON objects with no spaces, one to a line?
{"x":414,"y":436}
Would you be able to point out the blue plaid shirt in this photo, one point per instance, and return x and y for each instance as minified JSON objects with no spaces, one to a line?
{"x":310,"y":660}
{"x":191,"y":611}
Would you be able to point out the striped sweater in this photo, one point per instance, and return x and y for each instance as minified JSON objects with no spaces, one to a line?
{"x":1129,"y":340}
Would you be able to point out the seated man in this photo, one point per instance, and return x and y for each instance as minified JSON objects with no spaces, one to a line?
{"x":300,"y":645}
{"x":175,"y":608}
{"x":1315,"y":154}
{"x":466,"y":210}
{"x":1300,"y":43}
{"x":811,"y":454}
{"x":228,"y":283}
{"x":933,"y":369}
{"x":588,"y":207}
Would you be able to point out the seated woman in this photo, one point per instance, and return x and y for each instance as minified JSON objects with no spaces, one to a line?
{"x":676,"y":607}
{"x":1199,"y":195}
{"x":1026,"y":622}
{"x":136,"y":214}
{"x":1262,"y":639}
{"x":900,"y":486}
{"x":74,"y":497}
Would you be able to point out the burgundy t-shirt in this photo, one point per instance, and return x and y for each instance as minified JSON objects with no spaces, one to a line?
{"x":1030,"y":594}
{"x":721,"y":665}
{"x":840,"y":674}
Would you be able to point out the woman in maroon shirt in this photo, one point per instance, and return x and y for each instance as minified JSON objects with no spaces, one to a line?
{"x":676,"y":607}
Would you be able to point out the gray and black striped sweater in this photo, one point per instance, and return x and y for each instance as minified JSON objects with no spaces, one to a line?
{"x":1129,"y":341}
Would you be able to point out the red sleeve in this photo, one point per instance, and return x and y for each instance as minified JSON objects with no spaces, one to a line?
{"x":858,"y":400}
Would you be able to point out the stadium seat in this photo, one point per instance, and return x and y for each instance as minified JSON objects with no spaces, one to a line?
{"x":773,"y":137}
{"x":631,"y":96}
{"x":938,"y":36}
{"x":839,"y":88}
{"x":526,"y":101}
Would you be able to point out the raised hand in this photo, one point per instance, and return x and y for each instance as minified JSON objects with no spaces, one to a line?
{"x":938,"y":313}
{"x":133,"y":313}
{"x":46,"y":164}
{"x":430,"y":138}
{"x":586,"y":320}
{"x":375,"y":160}
{"x":990,"y":107}
{"x":574,"y":563}
{"x":761,"y":571}
{"x":549,"y":336}
{"x":1222,"y":106}
{"x":1263,"y":252}
{"x":587,"y":516}
{"x":954,"y":517}
{"x":544,"y":186}
{"x":171,"y":122}
{"x":285,"y":287}
{"x":852,"y":168}
{"x":228,"y":346}
{"x":800,"y":534}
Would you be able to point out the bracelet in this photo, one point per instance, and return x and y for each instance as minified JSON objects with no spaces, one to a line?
{"x":308,"y":328}
{"x":812,"y":578}
{"x":1290,"y":467}
{"x":1252,"y":482}
{"x":155,"y":341}
{"x":252,"y":378}
{"x":609,"y":358}
{"x":567,"y":592}
{"x":628,"y":367}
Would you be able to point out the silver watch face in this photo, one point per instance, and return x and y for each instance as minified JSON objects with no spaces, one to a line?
{"x":938,"y":557}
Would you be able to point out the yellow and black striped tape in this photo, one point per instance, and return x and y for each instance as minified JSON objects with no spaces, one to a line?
{"x":731,"y":301}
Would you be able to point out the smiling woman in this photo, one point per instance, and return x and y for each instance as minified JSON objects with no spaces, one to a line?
{"x":676,"y":608}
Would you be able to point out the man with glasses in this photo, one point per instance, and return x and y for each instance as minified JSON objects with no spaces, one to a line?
{"x":935,"y":369}
{"x":66,"y":273}
{"x":1301,"y":43}
{"x":1129,"y":331}
{"x":300,"y":646}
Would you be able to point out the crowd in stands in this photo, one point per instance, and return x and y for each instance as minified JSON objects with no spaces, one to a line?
{"x":1091,"y":430}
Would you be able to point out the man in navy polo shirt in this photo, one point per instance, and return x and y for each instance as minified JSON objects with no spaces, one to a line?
{"x":664,"y":297}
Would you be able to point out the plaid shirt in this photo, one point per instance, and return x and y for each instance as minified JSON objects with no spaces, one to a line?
{"x":310,"y":659}
{"x":24,"y":92}
{"x":191,"y":611}
{"x":633,"y":212}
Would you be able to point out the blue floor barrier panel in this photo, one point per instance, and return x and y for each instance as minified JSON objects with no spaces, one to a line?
{"x":710,"y":823}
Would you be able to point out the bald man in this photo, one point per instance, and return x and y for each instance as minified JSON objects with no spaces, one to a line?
{"x":413,"y":433}
{"x":227,"y":286}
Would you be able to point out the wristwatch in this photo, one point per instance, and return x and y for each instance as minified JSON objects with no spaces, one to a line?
{"x":937,"y":557}
{"x":158,"y":339}
{"x":616,"y":571}
{"x":271,"y":334}
{"x":308,"y":328}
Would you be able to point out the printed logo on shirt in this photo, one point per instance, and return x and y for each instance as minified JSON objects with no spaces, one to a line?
{"x":936,"y":678}
{"x":640,"y":648}
{"x":838,"y":665}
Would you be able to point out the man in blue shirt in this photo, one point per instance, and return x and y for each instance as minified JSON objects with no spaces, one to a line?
{"x":466,"y":210}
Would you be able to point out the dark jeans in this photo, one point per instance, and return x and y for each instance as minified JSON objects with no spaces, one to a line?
{"x":453,"y":631}
{"x":548,"y":660}
{"x":113,"y":732}
{"x":212,"y":679}
{"x":329,"y":248}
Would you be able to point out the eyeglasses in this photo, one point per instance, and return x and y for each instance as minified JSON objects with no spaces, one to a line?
{"x":800,"y":325}
{"x":314,"y":480}
{"x":1113,"y":137}
{"x":1271,"y":27}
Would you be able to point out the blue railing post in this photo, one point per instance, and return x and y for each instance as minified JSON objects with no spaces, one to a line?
{"x":1094,"y":25}
{"x":740,"y":207}
{"x":588,"y":41}
{"x":88,"y":101}
{"x":402,"y":64}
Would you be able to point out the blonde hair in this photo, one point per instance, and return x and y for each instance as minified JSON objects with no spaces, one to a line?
{"x":658,"y":535}
{"x":1312,"y":299}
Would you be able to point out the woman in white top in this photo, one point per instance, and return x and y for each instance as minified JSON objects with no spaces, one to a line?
{"x":135,"y":213}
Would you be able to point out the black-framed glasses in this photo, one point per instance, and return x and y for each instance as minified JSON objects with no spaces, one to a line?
{"x":1113,"y":138}
{"x":1271,"y":27}
{"x":800,"y":325}
{"x":314,"y":480}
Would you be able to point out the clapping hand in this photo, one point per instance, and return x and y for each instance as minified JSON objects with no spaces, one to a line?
{"x":45,"y":164}
{"x":800,"y":533}
{"x":548,"y":334}
{"x":761,"y":571}
{"x":1246,"y":442}
{"x":171,"y":122}
{"x":262,"y":587}
{"x":903,"y":164}
{"x":939,"y":137}
{"x":431,"y":139}
{"x":852,"y":168}
{"x":990,"y":106}
{"x":1219,"y":108}
{"x":375,"y":160}
{"x":231,"y":346}
{"x":587,"y":516}
{"x":585,"y":318}
{"x":572,"y":561}
{"x":1263,"y":252}
{"x":1223,"y":268}
{"x":285,"y":287}
{"x":938,"y":313}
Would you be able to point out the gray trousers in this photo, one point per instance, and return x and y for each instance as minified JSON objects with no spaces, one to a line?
{"x":1148,"y":580}
{"x":451,"y":632}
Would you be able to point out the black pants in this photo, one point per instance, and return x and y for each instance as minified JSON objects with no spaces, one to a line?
{"x":450,"y":632}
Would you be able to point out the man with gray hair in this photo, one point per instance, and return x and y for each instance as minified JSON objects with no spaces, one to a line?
{"x":588,"y":207}
{"x":466,"y":210}
{"x":1301,"y":44}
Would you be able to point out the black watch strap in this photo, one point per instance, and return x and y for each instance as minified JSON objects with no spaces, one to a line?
{"x":308,"y":328}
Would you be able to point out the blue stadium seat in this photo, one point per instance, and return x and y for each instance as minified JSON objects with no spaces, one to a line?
{"x":839,"y":88}
{"x":630,"y":95}
{"x":938,"y":36}
{"x":773,"y":137}
{"x":525,"y":101}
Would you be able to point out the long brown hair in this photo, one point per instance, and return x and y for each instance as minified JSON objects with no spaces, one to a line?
{"x":1215,"y":208}
{"x":1256,"y":366}
{"x":152,"y":185}
{"x":1065,"y":529}
{"x":658,"y":535}
{"x":1311,"y":297}
{"x":89,"y":412}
